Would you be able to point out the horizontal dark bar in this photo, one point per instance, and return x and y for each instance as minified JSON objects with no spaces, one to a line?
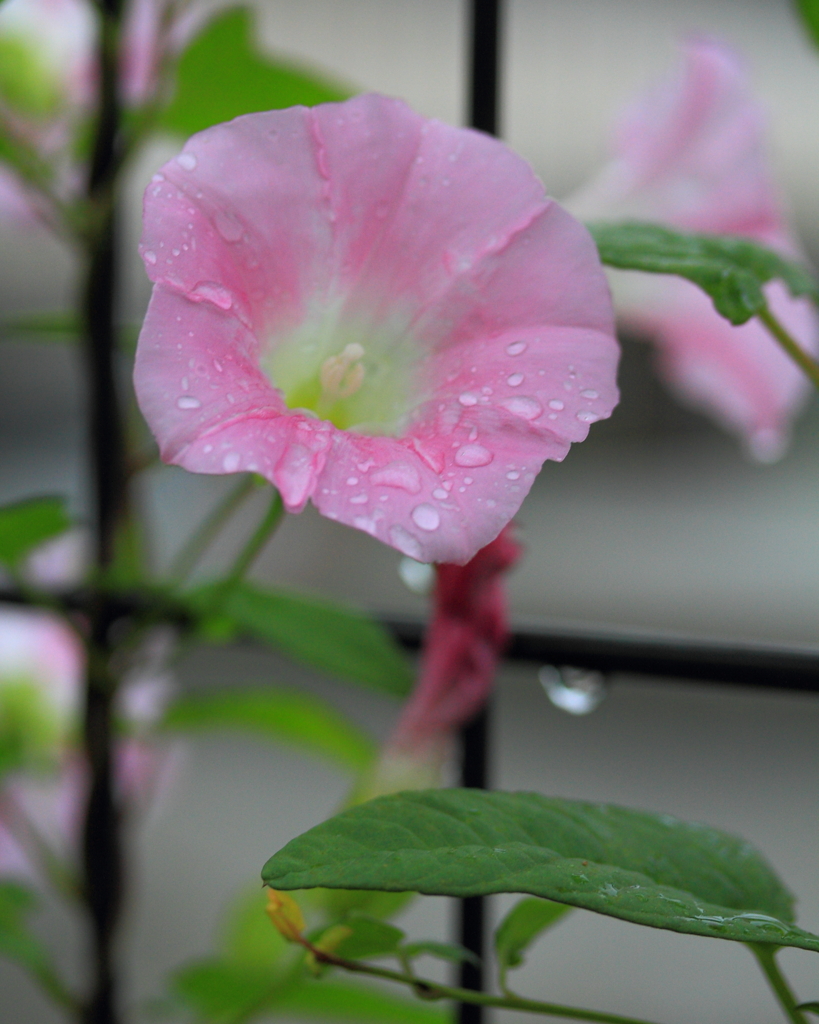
{"x":609,"y":649}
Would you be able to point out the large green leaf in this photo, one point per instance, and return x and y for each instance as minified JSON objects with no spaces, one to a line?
{"x":312,"y":630}
{"x":651,"y":869}
{"x":731,"y":270}
{"x":331,"y":1000}
{"x":522,"y":925}
{"x":288,"y":716}
{"x":809,"y":10}
{"x":18,"y":943}
{"x":222,"y":75}
{"x":26,"y":524}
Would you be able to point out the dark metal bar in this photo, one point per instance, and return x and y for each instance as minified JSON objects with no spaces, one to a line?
{"x":669,"y":656}
{"x":484,"y":36}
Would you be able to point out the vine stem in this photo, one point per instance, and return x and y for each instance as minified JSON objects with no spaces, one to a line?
{"x":434,"y":990}
{"x":766,"y":957}
{"x":210,"y":526}
{"x":805,"y":362}
{"x":260,"y":536}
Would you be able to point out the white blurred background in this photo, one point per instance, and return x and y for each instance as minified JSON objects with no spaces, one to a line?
{"x":656,"y":521}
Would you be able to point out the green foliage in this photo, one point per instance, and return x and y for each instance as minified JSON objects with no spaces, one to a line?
{"x":809,"y":11}
{"x":522,"y":925}
{"x":450,"y":951}
{"x":730,"y":270}
{"x":25,"y":524}
{"x":311,"y":630}
{"x":368,"y":937}
{"x":330,"y":1000}
{"x":809,"y":1007}
{"x":18,"y":943}
{"x":222,"y":75}
{"x":650,"y":869}
{"x":288,"y":716}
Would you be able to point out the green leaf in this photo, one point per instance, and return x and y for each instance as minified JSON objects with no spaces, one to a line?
{"x":222,"y":75}
{"x":338,"y":903}
{"x":651,"y":869}
{"x":809,"y":10}
{"x":288,"y":716}
{"x":311,"y":630}
{"x":26,"y":524}
{"x":450,"y":951}
{"x":810,"y":1007}
{"x":222,"y":992}
{"x":368,"y":937}
{"x":342,"y":1001}
{"x":730,"y":270}
{"x":19,"y":944}
{"x":522,"y":925}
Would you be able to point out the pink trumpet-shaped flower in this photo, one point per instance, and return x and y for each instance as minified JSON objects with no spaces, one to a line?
{"x":463,"y":645}
{"x":691,"y":154}
{"x":380,"y":313}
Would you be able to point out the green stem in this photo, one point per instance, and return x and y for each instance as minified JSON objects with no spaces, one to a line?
{"x":262,"y":534}
{"x":204,"y":535}
{"x":766,"y":956}
{"x":434,"y":990}
{"x":805,"y":362}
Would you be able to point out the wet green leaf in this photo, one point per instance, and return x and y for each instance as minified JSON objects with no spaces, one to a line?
{"x":651,"y":869}
{"x":287,"y":716}
{"x":730,"y":270}
{"x":222,"y":75}
{"x":312,"y":630}
{"x":522,"y":925}
{"x":25,"y":524}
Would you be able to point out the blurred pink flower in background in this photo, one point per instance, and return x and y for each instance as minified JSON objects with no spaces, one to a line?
{"x":382,"y":314}
{"x":691,"y":154}
{"x":464,"y":642}
{"x":42,"y":774}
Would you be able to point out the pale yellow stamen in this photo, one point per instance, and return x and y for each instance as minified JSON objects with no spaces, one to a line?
{"x":342,"y":375}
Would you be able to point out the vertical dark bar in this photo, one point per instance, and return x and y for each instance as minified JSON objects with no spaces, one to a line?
{"x":484,"y":42}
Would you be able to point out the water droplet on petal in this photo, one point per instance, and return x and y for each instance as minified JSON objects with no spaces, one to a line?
{"x":187,"y":402}
{"x":187,"y":161}
{"x":467,"y":398}
{"x":405,"y":542}
{"x":589,"y":393}
{"x":576,"y":690}
{"x":426,"y":517}
{"x":215,"y":293}
{"x":149,"y":256}
{"x":419,"y":577}
{"x":587,"y":416}
{"x":514,"y":348}
{"x":352,"y":480}
{"x":556,"y":404}
{"x":366,"y":524}
{"x":525,"y":408}
{"x":398,"y":474}
{"x":513,"y":475}
{"x":359,"y":499}
{"x":514,"y":380}
{"x":228,"y":226}
{"x":440,"y":494}
{"x":157,"y":177}
{"x":473,"y":455}
{"x":230,"y":463}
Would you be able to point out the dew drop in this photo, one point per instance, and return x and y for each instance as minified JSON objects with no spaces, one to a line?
{"x":187,"y":161}
{"x":359,"y":499}
{"x":187,"y":402}
{"x":525,"y":408}
{"x":217,"y":366}
{"x":230,"y":463}
{"x":587,"y":416}
{"x":158,"y":177}
{"x":228,"y":226}
{"x":398,"y":474}
{"x":352,"y":481}
{"x":513,"y":475}
{"x":417,"y":576}
{"x":556,"y":404}
{"x":405,"y":542}
{"x":514,"y":348}
{"x":576,"y":690}
{"x":366,"y":524}
{"x":467,"y":398}
{"x":589,"y":393}
{"x":440,"y":494}
{"x":426,"y":517}
{"x":473,"y":455}
{"x":514,"y":380}
{"x":149,"y":256}
{"x":214,"y":293}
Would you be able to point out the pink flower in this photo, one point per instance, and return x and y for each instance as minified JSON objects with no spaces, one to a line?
{"x":462,"y":648}
{"x":380,"y":313}
{"x":691,"y":154}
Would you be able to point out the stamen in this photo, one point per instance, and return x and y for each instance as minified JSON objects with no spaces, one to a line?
{"x":342,"y":375}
